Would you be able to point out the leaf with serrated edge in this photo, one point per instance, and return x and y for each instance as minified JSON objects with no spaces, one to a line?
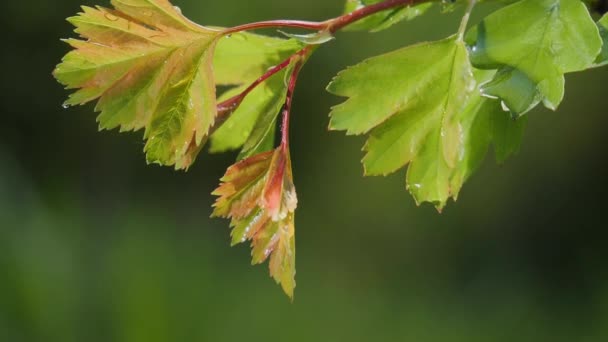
{"x":409,"y":98}
{"x":149,"y":67}
{"x":423,"y":108}
{"x":259,"y":197}
{"x":543,"y":39}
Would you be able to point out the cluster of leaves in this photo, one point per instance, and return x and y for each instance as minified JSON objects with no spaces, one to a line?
{"x":435,"y":106}
{"x":438,"y":105}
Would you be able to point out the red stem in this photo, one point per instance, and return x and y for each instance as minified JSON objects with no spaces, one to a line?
{"x":227,"y":107}
{"x":332,"y":25}
{"x":293,"y":79}
{"x":232,"y":103}
{"x":309,"y":25}
{"x":338,"y":23}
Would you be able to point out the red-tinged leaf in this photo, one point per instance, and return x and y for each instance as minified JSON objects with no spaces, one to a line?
{"x":148,"y":67}
{"x":259,"y":197}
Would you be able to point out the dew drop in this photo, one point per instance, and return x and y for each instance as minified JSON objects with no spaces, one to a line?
{"x":177,"y":9}
{"x":65,"y":106}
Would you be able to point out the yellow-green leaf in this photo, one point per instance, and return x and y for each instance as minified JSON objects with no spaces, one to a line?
{"x":148,"y":67}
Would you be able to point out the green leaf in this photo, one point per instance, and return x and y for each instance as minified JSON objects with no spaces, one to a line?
{"x":602,"y":59}
{"x":385,"y":19}
{"x":507,"y":134}
{"x":250,"y":121}
{"x":543,"y":39}
{"x":245,"y":63}
{"x":149,"y":67}
{"x":519,"y":94}
{"x":422,"y":108}
{"x":483,"y":123}
{"x":410,"y":98}
{"x":243,"y":57}
{"x":259,"y":197}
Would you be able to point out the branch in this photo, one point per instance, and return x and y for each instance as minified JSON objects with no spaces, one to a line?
{"x":331,"y":25}
{"x":226,"y":108}
{"x":338,"y":23}
{"x":293,"y":79}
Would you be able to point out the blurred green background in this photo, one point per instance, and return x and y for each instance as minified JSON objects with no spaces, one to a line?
{"x":97,"y":246}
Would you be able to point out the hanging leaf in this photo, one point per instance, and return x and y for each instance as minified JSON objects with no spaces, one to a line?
{"x":421,"y":107}
{"x":259,"y":197}
{"x":542,"y":39}
{"x":409,"y":98}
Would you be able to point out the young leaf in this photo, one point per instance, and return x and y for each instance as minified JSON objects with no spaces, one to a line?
{"x":150,"y":68}
{"x":410,"y":98}
{"x":385,"y":19}
{"x":543,"y":39}
{"x":259,"y":197}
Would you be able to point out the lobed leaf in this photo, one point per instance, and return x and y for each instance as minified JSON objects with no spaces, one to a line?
{"x":259,"y":197}
{"x":421,"y":107}
{"x":408,"y":99}
{"x":149,"y":67}
{"x":540,"y":39}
